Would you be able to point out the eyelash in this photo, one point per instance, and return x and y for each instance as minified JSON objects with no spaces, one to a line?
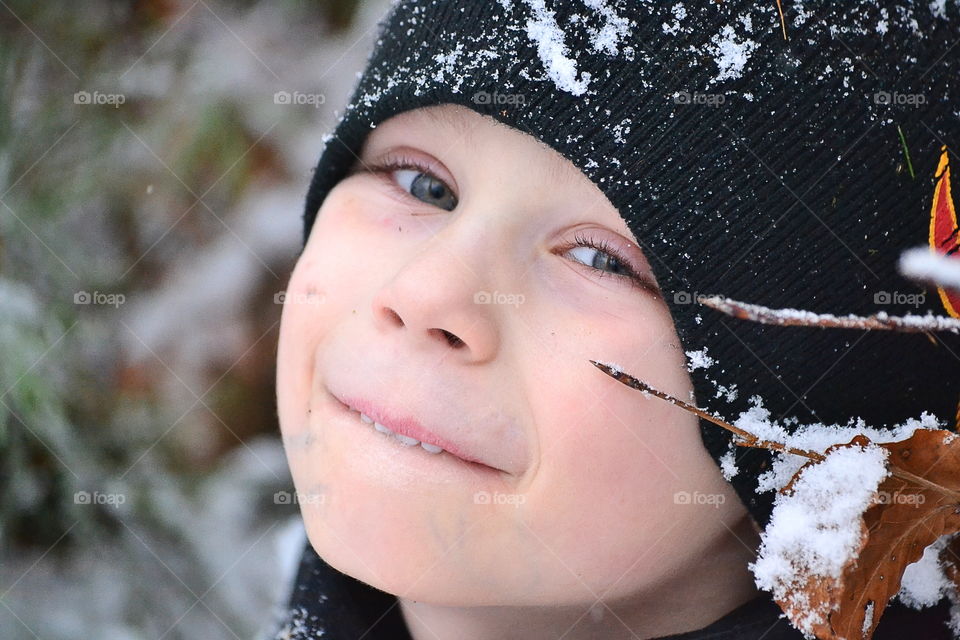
{"x":603,"y":246}
{"x":385,"y":168}
{"x":400,"y":162}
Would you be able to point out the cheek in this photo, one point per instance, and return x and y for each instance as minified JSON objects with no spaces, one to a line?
{"x":617,"y":458}
{"x":302,"y":325}
{"x":612,"y":460}
{"x":617,"y":478}
{"x":317,"y":294}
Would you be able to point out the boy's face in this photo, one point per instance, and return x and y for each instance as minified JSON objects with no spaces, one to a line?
{"x":456,"y":302}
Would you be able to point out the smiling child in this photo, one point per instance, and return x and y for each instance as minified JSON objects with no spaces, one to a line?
{"x":515,"y":189}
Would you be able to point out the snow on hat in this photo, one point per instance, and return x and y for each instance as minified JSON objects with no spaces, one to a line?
{"x":783,"y":172}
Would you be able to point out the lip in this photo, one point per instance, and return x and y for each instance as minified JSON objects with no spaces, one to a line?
{"x":409,"y":426}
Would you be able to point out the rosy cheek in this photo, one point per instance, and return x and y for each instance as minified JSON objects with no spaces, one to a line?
{"x":307,"y":284}
{"x":355,"y":207}
{"x":314,"y":299}
{"x":305,"y":319}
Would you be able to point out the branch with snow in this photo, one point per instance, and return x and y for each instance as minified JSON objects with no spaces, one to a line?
{"x":919,"y":264}
{"x":910,"y":323}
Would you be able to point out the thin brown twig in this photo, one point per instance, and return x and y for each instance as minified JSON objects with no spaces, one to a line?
{"x":747,"y":439}
{"x":783,"y":24}
{"x":797,"y":317}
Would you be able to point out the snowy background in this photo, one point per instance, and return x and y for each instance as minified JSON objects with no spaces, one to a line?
{"x":154,"y":156}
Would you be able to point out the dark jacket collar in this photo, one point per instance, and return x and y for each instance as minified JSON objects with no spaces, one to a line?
{"x":328,"y":602}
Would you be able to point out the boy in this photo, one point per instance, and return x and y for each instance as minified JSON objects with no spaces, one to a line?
{"x":531,"y":187}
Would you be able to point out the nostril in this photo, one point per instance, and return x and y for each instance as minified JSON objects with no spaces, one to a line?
{"x":452,"y":339}
{"x":393,"y":316}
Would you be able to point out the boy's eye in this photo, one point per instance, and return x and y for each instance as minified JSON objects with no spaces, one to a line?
{"x":600,"y":260}
{"x":410,"y":175}
{"x":603,"y":258}
{"x":425,"y":187}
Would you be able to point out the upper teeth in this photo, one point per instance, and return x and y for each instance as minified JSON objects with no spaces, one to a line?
{"x":407,"y":440}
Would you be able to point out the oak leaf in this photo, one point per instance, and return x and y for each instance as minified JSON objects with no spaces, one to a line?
{"x":913,"y":506}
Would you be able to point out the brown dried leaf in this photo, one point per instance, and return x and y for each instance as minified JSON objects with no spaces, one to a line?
{"x":915,"y":505}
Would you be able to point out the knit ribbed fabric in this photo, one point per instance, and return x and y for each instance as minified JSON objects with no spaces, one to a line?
{"x":331,"y":605}
{"x":767,"y":170}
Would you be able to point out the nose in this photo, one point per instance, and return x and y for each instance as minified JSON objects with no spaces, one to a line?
{"x":433,"y":298}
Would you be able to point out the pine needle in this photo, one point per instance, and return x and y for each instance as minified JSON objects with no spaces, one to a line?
{"x":783,"y":24}
{"x":906,"y":152}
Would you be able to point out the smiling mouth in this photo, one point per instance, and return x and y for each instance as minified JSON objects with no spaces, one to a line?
{"x":402,"y":439}
{"x":408,"y":441}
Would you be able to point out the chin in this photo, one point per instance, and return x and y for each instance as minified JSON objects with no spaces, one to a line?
{"x":371,"y":554}
{"x":370,"y":546}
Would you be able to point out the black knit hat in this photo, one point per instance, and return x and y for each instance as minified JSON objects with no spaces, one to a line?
{"x":783,"y":172}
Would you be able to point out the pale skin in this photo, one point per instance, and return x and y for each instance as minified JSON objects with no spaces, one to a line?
{"x":591,"y":536}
